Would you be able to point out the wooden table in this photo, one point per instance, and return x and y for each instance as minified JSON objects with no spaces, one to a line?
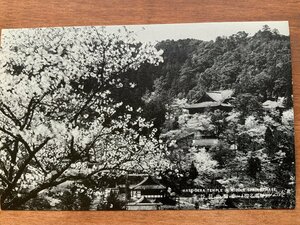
{"x":34,"y":13}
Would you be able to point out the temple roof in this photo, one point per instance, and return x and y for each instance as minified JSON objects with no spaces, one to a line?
{"x":212,"y":99}
{"x":269,"y":104}
{"x":147,"y":183}
{"x":220,"y":96}
{"x":207,"y":104}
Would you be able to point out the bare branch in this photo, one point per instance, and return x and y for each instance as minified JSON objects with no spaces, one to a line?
{"x":3,"y":178}
{"x":23,"y":166}
{"x":9,"y":114}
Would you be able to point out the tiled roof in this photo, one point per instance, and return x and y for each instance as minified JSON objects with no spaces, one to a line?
{"x":217,"y":97}
{"x":207,"y":104}
{"x":148,"y":183}
{"x":220,"y":96}
{"x":273,"y":104}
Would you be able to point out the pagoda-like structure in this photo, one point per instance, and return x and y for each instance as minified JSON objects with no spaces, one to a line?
{"x":148,"y":188}
{"x":146,"y":195}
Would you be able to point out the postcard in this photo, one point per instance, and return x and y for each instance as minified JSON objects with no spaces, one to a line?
{"x":147,"y":117}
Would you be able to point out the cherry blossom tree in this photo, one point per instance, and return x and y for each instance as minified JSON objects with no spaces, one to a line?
{"x":58,"y":122}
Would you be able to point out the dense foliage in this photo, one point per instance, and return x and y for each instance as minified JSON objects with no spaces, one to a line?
{"x":256,"y":145}
{"x":80,"y":108}
{"x":259,"y":65}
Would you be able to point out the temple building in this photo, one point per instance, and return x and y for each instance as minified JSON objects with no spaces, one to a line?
{"x":148,"y":188}
{"x":271,"y":104}
{"x":146,"y":195}
{"x":211,"y":101}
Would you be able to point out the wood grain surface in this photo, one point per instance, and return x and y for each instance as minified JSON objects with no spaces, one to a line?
{"x":34,"y":13}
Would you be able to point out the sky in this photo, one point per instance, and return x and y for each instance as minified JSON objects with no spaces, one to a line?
{"x":201,"y":31}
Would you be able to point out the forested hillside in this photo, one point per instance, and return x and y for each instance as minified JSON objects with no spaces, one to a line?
{"x":256,"y":147}
{"x":259,"y":65}
{"x":256,"y":66}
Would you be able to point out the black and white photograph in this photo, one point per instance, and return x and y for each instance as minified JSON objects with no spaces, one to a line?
{"x":193,"y":116}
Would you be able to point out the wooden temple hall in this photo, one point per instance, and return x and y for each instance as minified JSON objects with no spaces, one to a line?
{"x":146,"y":195}
{"x":212,"y":100}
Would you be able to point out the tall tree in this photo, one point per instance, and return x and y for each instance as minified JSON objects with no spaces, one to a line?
{"x":57,"y":116}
